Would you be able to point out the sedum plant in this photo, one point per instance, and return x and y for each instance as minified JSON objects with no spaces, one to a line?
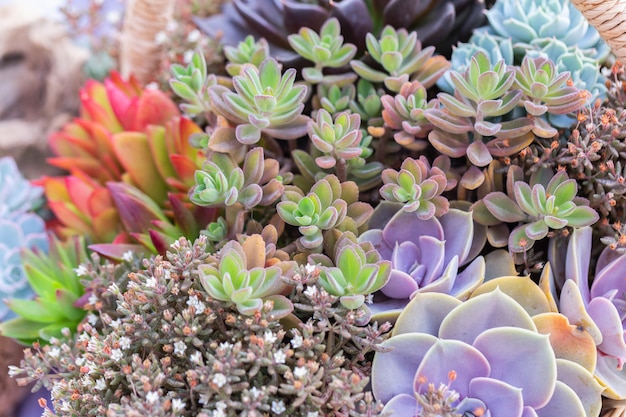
{"x":402,"y":59}
{"x":418,"y":187}
{"x":355,"y":271}
{"x":325,"y":50}
{"x":540,"y":208}
{"x":264,"y":100}
{"x":337,"y":139}
{"x":242,"y":278}
{"x":248,"y":51}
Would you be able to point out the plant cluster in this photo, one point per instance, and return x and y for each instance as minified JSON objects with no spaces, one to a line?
{"x":326,"y":215}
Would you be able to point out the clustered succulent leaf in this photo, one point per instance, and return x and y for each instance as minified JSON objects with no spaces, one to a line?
{"x":191,"y":83}
{"x":264,"y":100}
{"x":248,"y":51}
{"x":337,"y":139}
{"x":418,"y":186}
{"x":541,"y":208}
{"x":325,"y":50}
{"x":402,"y":58}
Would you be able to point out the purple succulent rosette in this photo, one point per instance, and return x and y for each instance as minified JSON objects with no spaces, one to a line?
{"x":426,"y":256}
{"x":482,"y":357}
{"x":599,"y":308}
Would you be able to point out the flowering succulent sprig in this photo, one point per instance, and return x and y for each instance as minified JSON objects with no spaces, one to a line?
{"x":264,"y":101}
{"x":402,"y":58}
{"x":418,"y":187}
{"x":161,"y":345}
{"x":325,"y":50}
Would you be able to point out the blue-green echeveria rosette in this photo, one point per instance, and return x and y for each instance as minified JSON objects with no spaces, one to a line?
{"x":525,"y":21}
{"x":426,"y":256}
{"x":482,"y":357}
{"x":19,"y":229}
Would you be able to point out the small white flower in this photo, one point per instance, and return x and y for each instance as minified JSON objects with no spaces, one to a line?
{"x":187,"y":56}
{"x":369,"y":299}
{"x":309,"y":268}
{"x":179,"y":348}
{"x":151,"y":282}
{"x":300,"y":372}
{"x":93,"y":299}
{"x":296,"y":342}
{"x":175,"y":245}
{"x":113,"y":17}
{"x":80,"y":361}
{"x":124,"y":342}
{"x":225,"y":345}
{"x":100,"y":384}
{"x":204,"y":399}
{"x":269,"y":337}
{"x":310,"y":291}
{"x":279,"y":357}
{"x":152,"y":397}
{"x":152,"y":86}
{"x":196,"y":304}
{"x":160,"y":38}
{"x":178,"y":405}
{"x":171,"y":26}
{"x":220,"y":407}
{"x":54,"y":352}
{"x":115,"y":324}
{"x":193,"y":36}
{"x":219,"y":380}
{"x":127,"y":256}
{"x":117,"y":355}
{"x":196,"y":358}
{"x":278,"y":407}
{"x":312,"y":414}
{"x":113,"y":289}
{"x":92,"y":319}
{"x":255,"y":392}
{"x":81,"y":271}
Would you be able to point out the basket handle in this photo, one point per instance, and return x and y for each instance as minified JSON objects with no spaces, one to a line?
{"x":609,"y":18}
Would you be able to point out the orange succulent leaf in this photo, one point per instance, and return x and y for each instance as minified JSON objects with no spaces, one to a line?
{"x":72,"y":221}
{"x":106,"y":225}
{"x":185,"y":170}
{"x":568,"y":341}
{"x":133,"y":152}
{"x":183,"y":129}
{"x":91,"y":167}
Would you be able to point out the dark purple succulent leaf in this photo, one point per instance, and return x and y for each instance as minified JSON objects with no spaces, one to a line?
{"x":436,"y":24}
{"x":354,"y":19}
{"x":297,"y":14}
{"x":402,"y":13}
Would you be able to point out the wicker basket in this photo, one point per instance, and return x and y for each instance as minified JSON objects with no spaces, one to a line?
{"x":139,"y":51}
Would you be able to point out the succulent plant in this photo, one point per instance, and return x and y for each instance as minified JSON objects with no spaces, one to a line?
{"x":333,"y":99}
{"x":248,"y":51}
{"x":404,"y":115}
{"x":337,"y":139}
{"x":418,"y":187}
{"x":221,"y":182}
{"x":527,"y":21}
{"x":325,"y":50}
{"x":368,"y":103}
{"x":191,"y":83}
{"x":540,"y":208}
{"x":55,"y":280}
{"x":355,"y":272}
{"x":20,"y":229}
{"x":402,"y":59}
{"x":330,"y":204}
{"x":546,"y":91}
{"x":449,"y":358}
{"x":426,"y":256}
{"x":495,"y":47}
{"x":264,"y":101}
{"x":81,"y":206}
{"x":440,"y":23}
{"x":598,"y":308}
{"x":242,"y":278}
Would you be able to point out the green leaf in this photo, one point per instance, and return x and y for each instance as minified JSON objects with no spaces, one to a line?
{"x":503,"y":207}
{"x":582,"y":216}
